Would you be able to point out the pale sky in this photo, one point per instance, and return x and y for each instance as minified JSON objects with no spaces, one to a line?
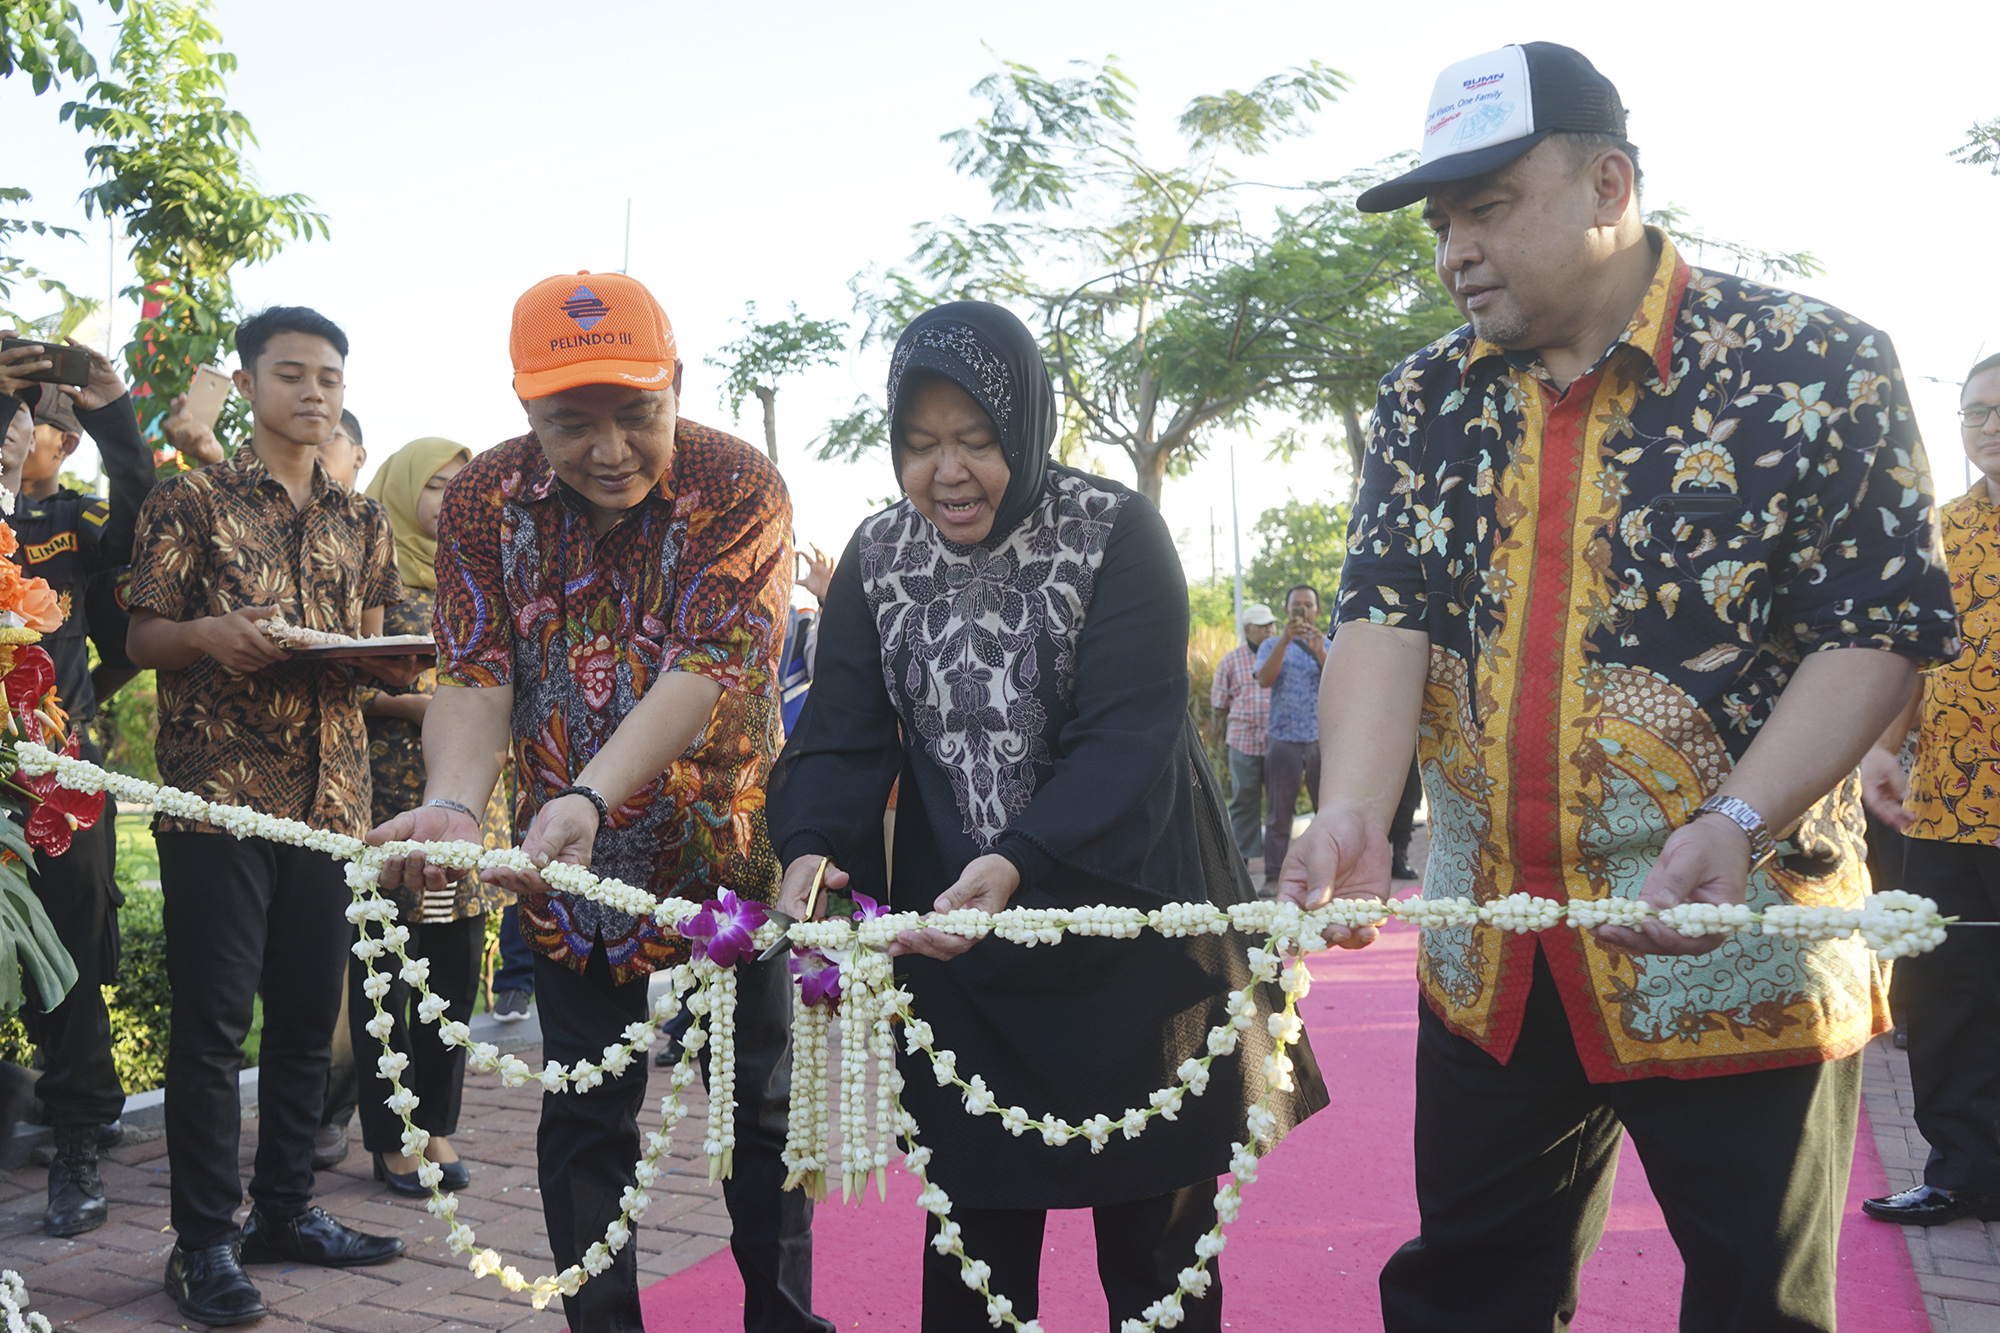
{"x":771,"y":151}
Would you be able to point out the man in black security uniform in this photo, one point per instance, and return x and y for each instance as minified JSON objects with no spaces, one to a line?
{"x":66,"y":538}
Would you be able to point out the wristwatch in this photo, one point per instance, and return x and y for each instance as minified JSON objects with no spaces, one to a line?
{"x":1740,"y":813}
{"x":592,"y":795}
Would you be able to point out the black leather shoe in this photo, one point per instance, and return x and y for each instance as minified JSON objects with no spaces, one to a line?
{"x":1927,"y":1206}
{"x":312,"y":1238}
{"x":456,"y":1175}
{"x":211,"y":1287}
{"x":76,"y":1195}
{"x":329,"y":1147}
{"x":110,"y":1136}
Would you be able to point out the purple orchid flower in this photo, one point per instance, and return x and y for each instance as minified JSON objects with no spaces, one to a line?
{"x":721,"y":930}
{"x":819,"y":977}
{"x":818,"y":970}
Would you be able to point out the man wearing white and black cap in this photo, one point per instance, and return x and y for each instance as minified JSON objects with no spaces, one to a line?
{"x":1644,"y":558}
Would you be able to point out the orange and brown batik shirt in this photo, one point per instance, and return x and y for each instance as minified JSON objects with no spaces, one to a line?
{"x":1955,"y":782}
{"x":1617,"y":582}
{"x":288,"y":740}
{"x":695,"y":578}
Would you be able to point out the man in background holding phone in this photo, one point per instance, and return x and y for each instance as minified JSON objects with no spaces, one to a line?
{"x":1288,"y":665}
{"x":66,"y":538}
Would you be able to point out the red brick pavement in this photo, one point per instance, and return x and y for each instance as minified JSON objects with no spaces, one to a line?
{"x":109,"y":1281}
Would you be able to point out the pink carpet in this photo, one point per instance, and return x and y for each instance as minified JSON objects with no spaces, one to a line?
{"x":1330,"y":1205}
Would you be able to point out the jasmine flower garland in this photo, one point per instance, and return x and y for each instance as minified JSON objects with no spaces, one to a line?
{"x":1892,"y":924}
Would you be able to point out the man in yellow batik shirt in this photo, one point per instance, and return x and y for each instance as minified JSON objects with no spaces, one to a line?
{"x":1950,"y":812}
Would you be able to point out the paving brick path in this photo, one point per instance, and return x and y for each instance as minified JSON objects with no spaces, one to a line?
{"x":1957,"y":1264}
{"x":109,"y":1281}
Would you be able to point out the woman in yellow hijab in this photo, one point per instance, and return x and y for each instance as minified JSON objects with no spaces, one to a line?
{"x":448,"y":927}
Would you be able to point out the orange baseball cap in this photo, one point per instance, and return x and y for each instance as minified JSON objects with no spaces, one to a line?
{"x":590,"y":328}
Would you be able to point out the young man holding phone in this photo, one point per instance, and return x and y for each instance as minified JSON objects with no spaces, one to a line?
{"x":241,"y":722}
{"x":67,"y":539}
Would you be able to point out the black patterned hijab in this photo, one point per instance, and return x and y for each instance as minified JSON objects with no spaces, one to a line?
{"x":986,"y":351}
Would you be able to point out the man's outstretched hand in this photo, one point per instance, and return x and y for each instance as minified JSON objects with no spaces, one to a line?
{"x":426,"y":823}
{"x":1704,"y":861}
{"x":1341,"y":855}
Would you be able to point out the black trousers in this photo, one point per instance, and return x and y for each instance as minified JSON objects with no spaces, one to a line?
{"x":79,"y":1083}
{"x":1951,"y":1000}
{"x":437,"y":1071}
{"x":588,"y":1142}
{"x":1141,"y":1248}
{"x":1515,"y":1165}
{"x":247,"y":917}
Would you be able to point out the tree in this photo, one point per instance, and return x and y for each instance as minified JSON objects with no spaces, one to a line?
{"x":768,"y":354}
{"x":1981,"y":147}
{"x":1300,"y":541}
{"x":39,"y":39}
{"x":1167,"y":311}
{"x":170,"y":152}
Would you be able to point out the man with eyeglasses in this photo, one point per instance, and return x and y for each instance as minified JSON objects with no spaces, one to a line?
{"x":1950,"y":811}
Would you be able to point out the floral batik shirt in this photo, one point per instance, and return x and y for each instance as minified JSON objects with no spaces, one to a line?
{"x":1955,"y":782}
{"x":695,"y":578}
{"x":1617,"y":582}
{"x":287,"y":740}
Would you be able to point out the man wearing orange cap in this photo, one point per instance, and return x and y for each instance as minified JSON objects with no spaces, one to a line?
{"x":612,"y":594}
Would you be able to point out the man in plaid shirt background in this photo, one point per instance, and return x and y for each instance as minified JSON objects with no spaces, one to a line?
{"x":1248,"y":704}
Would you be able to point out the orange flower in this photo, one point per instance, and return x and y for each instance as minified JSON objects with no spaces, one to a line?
{"x":39,"y":607}
{"x":9,"y":543}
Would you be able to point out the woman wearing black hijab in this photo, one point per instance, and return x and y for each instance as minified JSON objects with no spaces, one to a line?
{"x":1010,"y":640}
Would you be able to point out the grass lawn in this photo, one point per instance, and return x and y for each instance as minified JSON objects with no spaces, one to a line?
{"x":136,"y":857}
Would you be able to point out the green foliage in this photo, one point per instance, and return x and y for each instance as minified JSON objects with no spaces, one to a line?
{"x":1766,"y":264}
{"x":1214,"y":604}
{"x":38,"y":38}
{"x":126,"y":725}
{"x":1299,"y":542}
{"x":861,"y":431}
{"x":1166,"y":312}
{"x":768,"y":354}
{"x":26,"y":934}
{"x":141,"y":1000}
{"x":1981,"y":147}
{"x":170,"y":154}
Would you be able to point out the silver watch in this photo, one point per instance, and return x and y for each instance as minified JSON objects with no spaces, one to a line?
{"x":1740,"y":813}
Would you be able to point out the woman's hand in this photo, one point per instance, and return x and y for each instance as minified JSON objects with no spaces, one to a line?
{"x":987,"y":885}
{"x":798,"y":883}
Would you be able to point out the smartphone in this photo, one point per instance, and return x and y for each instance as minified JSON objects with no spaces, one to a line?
{"x":70,"y":365}
{"x":207,"y":394}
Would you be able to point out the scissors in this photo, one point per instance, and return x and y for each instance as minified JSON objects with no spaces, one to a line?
{"x":784,"y":941}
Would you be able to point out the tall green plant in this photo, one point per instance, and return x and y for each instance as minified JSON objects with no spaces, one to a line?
{"x":770,"y":353}
{"x":171,"y":154}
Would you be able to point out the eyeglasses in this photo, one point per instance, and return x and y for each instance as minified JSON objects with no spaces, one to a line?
{"x":1975,"y":416}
